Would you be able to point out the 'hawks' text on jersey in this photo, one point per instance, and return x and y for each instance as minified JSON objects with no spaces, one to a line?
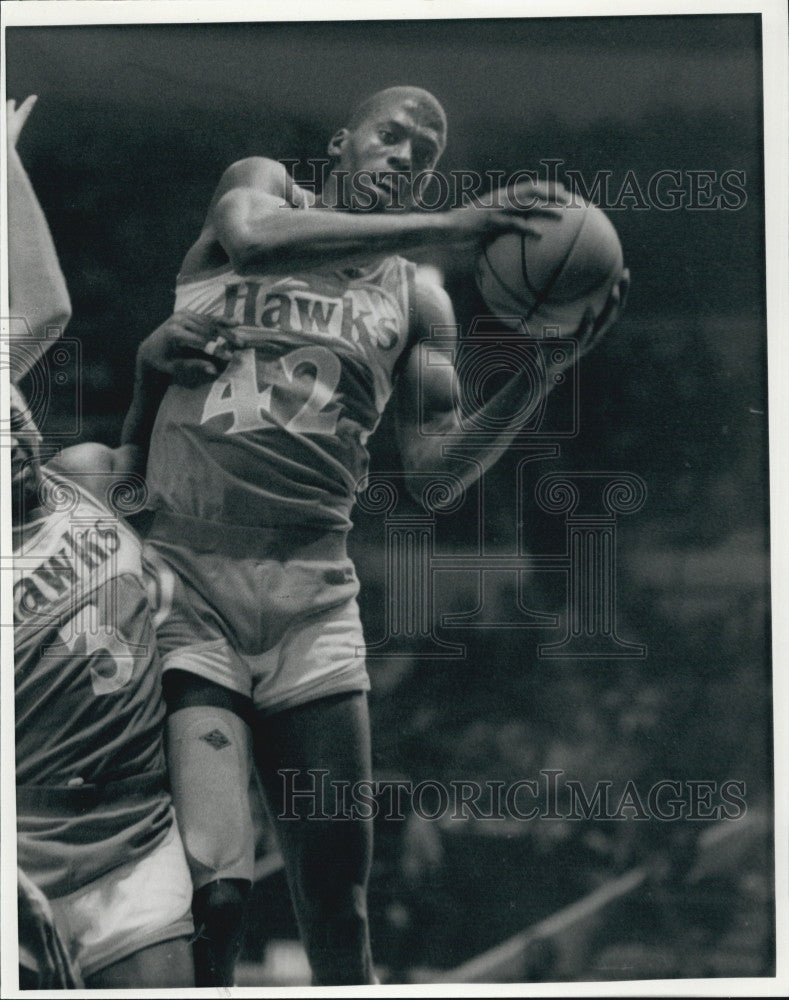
{"x":89,"y":712}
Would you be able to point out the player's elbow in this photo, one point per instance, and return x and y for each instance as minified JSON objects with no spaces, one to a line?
{"x":431,"y":478}
{"x":239,"y":243}
{"x":57,"y":303}
{"x":434,"y":488}
{"x":246,"y":225}
{"x":248,"y":250}
{"x":243,"y":251}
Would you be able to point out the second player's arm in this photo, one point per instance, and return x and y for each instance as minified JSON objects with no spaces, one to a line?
{"x":36,"y":286}
{"x":173,"y":351}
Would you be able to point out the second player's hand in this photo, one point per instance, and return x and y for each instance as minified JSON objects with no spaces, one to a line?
{"x":189,"y":347}
{"x":16,"y":118}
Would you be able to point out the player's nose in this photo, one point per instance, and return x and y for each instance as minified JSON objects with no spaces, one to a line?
{"x":401,"y":156}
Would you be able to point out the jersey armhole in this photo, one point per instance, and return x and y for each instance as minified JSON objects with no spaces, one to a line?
{"x":410,"y":311}
{"x":206,"y":274}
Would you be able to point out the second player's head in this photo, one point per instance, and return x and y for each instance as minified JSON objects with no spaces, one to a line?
{"x":390,"y":138}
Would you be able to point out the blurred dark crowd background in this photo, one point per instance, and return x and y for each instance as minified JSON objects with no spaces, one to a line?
{"x":133,"y":128}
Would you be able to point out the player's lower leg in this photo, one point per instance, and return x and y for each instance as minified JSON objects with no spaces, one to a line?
{"x":327,"y":859}
{"x":209,"y":760}
{"x":219,"y":910}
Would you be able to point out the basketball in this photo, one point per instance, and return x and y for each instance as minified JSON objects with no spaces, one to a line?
{"x":551,"y":278}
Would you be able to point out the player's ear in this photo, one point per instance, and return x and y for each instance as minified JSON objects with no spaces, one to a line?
{"x":337,"y":141}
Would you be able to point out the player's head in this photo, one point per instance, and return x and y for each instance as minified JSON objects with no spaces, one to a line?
{"x":25,"y":458}
{"x":390,"y":138}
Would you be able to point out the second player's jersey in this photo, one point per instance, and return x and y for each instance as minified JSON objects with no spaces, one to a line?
{"x":281,"y":436}
{"x":89,"y":711}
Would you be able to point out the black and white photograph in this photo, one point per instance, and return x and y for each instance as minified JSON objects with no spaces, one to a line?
{"x":391,"y":532}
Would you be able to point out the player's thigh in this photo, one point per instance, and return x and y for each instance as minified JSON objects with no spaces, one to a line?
{"x":331,"y":733}
{"x":209,"y":761}
{"x":300,"y":753}
{"x":168,"y":964}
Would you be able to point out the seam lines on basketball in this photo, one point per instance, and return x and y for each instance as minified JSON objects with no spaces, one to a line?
{"x":543,"y":295}
{"x":496,"y":275}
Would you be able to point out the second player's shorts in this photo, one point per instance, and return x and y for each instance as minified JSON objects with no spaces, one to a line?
{"x":268,"y":613}
{"x":140,"y":904}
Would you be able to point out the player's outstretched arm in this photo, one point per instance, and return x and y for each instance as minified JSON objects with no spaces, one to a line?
{"x":181,"y":350}
{"x":427,"y":401}
{"x":37,"y":288}
{"x":257,"y":233}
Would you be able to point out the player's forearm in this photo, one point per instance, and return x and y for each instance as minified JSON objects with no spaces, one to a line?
{"x":299,"y":240}
{"x":433,"y":456}
{"x":37,"y":288}
{"x":429,"y":450}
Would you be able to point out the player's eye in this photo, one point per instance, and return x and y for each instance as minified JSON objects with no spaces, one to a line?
{"x":387,"y":136}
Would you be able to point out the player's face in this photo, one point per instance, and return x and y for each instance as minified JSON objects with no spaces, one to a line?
{"x":384,"y":153}
{"x":25,"y":458}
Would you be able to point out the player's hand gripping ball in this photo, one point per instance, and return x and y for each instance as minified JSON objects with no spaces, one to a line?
{"x":561,"y":275}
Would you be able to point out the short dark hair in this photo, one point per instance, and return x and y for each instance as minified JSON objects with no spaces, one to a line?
{"x":427,"y":105}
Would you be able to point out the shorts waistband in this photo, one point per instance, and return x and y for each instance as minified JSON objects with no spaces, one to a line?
{"x":90,"y":794}
{"x":242,"y":542}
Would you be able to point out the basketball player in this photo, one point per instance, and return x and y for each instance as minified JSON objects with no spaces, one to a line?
{"x":253,"y":480}
{"x":96,"y":829}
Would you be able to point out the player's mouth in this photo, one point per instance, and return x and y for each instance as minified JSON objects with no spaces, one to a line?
{"x":394,"y":189}
{"x":385,"y":184}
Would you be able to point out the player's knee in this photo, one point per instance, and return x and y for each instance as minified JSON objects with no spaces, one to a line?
{"x":219,"y":908}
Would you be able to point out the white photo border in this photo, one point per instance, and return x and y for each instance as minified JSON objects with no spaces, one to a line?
{"x":776,"y":133}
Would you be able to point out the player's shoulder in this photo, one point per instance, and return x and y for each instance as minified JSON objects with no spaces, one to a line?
{"x":428,"y":279}
{"x":432,"y":304}
{"x":82,"y":459}
{"x":259,"y":173}
{"x":96,"y":468}
{"x":255,"y":171}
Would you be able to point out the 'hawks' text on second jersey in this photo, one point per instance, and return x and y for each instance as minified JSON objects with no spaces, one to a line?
{"x":89,"y":711}
{"x":280,"y":437}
